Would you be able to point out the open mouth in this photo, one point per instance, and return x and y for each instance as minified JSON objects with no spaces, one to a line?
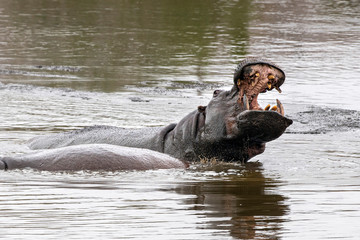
{"x":253,"y":77}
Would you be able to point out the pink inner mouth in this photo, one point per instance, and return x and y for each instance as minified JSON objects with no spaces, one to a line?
{"x":258,"y":79}
{"x":253,"y":103}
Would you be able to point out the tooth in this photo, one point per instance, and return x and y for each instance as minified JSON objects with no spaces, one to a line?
{"x":238,"y":82}
{"x":278,"y":89}
{"x":257,"y":74}
{"x":241,"y":94}
{"x":267,"y":107}
{"x":271,"y":77}
{"x":253,"y":83}
{"x":280,"y":107}
{"x":274,"y":108}
{"x":269,"y":85}
{"x":246,"y":102}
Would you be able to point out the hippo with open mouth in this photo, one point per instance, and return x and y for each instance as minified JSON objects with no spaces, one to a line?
{"x":232,"y":128}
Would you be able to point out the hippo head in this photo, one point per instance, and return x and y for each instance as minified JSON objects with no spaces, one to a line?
{"x":233,"y":126}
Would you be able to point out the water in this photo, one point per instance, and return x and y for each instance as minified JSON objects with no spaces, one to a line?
{"x":69,"y":64}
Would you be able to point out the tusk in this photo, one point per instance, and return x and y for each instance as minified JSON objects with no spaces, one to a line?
{"x":246,"y":102}
{"x":278,"y":89}
{"x":280,"y":107}
{"x":274,"y":108}
{"x":269,"y":85}
{"x":267,"y":107}
{"x":241,"y":94}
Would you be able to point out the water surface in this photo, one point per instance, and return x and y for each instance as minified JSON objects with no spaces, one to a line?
{"x":69,"y":64}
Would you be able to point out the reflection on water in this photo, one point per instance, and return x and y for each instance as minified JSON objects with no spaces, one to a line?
{"x":69,"y":64}
{"x":244,"y":203}
{"x":229,"y":201}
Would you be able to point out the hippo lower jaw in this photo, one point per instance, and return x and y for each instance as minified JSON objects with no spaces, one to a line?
{"x":261,"y":126}
{"x":258,"y":127}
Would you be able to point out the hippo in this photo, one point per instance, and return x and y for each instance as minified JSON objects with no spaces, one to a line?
{"x":92,"y":157}
{"x":233,"y":127}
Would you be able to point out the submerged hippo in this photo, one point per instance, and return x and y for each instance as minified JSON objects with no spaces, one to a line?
{"x":232,"y":127}
{"x":92,"y":157}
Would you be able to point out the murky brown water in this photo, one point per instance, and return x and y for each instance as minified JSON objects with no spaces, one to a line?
{"x":69,"y":64}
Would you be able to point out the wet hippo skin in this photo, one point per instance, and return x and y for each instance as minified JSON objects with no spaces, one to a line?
{"x":92,"y":157}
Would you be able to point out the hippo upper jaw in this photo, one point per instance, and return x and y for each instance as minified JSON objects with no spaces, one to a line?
{"x":254,"y":76}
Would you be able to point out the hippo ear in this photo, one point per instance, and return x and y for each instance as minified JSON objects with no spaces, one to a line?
{"x":201,"y":109}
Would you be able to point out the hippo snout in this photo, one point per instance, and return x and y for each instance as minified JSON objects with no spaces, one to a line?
{"x":261,"y":126}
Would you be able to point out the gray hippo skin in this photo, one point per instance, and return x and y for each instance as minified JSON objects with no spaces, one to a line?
{"x":232,"y":127}
{"x":92,"y":157}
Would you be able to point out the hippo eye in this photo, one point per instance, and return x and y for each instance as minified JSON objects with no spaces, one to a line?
{"x":216,"y":92}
